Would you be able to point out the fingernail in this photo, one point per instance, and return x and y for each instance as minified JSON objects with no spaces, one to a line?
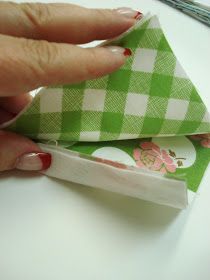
{"x":120,"y":51}
{"x":34,"y":161}
{"x":129,"y":13}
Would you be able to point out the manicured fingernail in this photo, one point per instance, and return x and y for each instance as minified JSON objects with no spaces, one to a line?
{"x":34,"y":161}
{"x":120,"y":51}
{"x":127,"y":52}
{"x":129,"y":13}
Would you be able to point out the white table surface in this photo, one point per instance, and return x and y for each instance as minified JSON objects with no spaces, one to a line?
{"x":55,"y":230}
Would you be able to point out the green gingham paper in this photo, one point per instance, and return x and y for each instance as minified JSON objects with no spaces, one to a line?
{"x":150,"y":95}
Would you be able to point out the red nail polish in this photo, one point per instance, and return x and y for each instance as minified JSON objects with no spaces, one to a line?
{"x":46,"y":160}
{"x":34,"y":161}
{"x":127,"y":52}
{"x":138,"y":15}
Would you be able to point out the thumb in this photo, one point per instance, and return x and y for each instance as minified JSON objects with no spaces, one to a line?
{"x":18,"y":152}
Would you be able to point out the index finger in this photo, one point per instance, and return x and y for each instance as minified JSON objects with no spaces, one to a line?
{"x":28,"y":64}
{"x":64,"y":22}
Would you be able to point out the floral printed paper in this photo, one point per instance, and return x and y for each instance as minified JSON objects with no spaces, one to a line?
{"x":182,"y":158}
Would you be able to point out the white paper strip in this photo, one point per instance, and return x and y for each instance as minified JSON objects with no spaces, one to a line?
{"x":151,"y":186}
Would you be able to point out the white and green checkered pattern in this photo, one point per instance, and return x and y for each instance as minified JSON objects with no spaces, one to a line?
{"x":149,"y":96}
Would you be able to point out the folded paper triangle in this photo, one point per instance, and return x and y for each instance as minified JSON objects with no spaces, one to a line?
{"x":151,"y":95}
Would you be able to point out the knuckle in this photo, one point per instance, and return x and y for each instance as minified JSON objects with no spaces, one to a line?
{"x":91,"y":69}
{"x":42,"y":54}
{"x":37,"y":14}
{"x":9,"y":63}
{"x":104,"y":14}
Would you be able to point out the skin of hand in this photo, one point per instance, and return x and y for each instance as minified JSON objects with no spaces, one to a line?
{"x":38,"y":47}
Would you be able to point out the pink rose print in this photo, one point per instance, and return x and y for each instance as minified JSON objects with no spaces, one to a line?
{"x":150,"y":156}
{"x":204,"y":139}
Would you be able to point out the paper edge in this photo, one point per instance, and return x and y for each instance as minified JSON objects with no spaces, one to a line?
{"x":67,"y":165}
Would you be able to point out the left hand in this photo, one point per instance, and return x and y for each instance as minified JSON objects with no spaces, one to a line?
{"x":37,"y":48}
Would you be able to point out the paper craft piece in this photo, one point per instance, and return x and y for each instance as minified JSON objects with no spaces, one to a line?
{"x":181,"y":158}
{"x":151,"y":95}
{"x":115,"y":177}
{"x":165,"y":170}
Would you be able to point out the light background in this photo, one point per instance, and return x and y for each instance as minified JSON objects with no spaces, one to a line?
{"x":54,"y":230}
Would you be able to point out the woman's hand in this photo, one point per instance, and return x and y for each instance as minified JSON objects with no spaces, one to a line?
{"x":37,"y":48}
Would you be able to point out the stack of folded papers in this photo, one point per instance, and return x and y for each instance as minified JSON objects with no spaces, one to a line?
{"x":141,"y":131}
